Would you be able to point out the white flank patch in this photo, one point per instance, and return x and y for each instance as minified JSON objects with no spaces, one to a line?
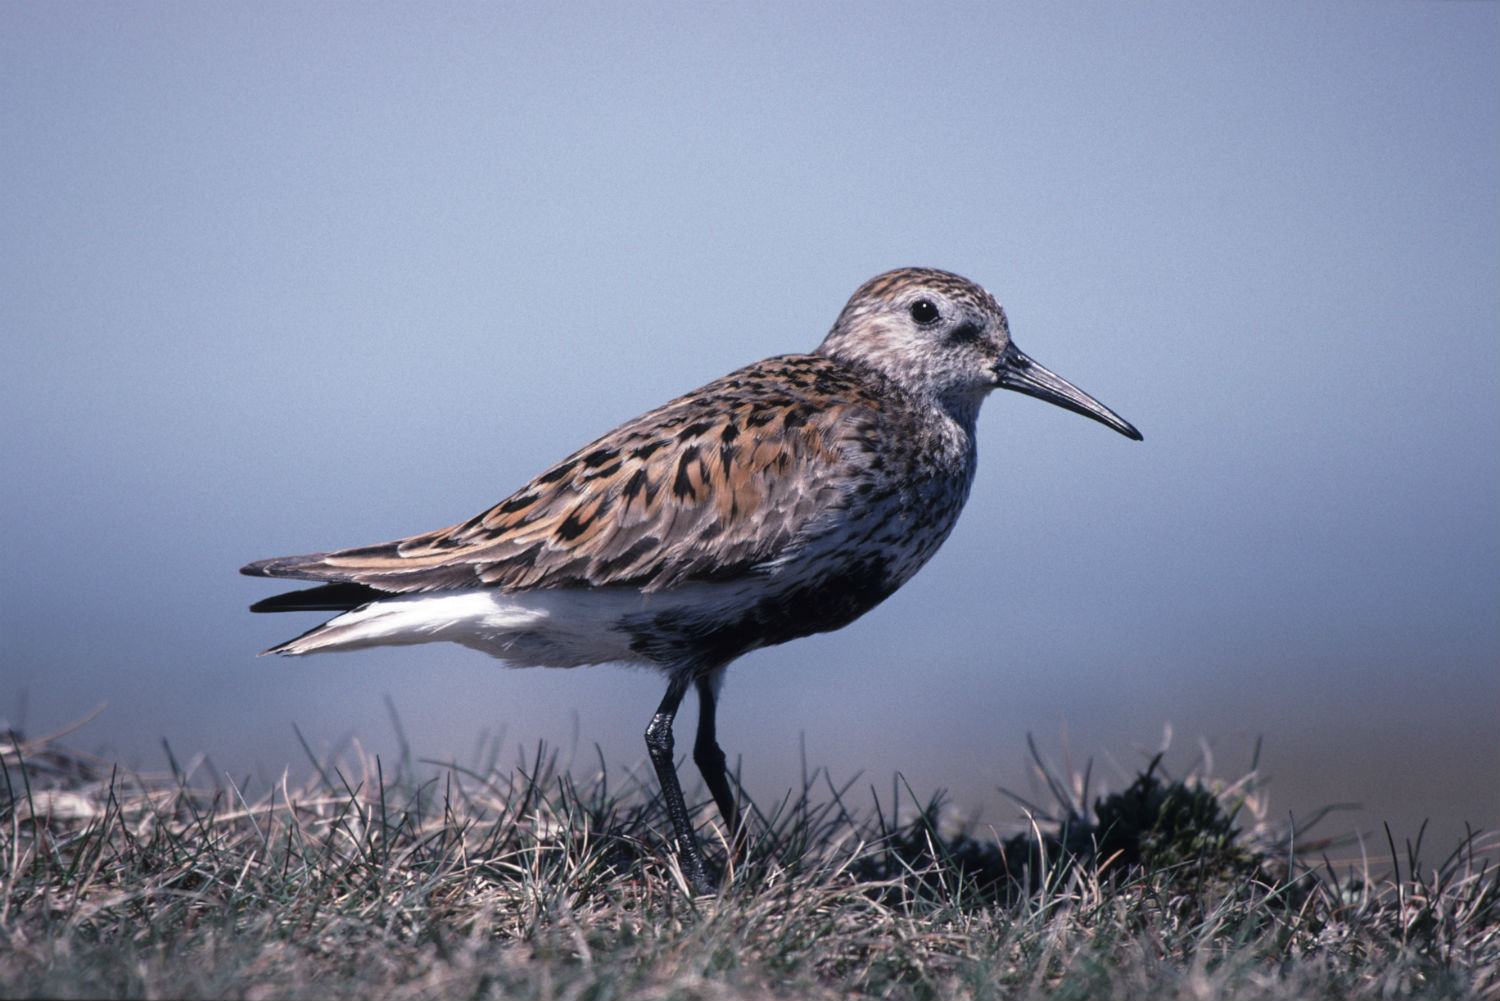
{"x":559,"y":628}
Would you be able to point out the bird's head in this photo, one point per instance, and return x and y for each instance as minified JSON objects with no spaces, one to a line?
{"x":943,"y":337}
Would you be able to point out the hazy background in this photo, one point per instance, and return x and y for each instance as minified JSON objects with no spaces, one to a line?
{"x":279,"y":278}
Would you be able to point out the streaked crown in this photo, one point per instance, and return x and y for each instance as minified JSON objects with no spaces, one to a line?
{"x":932,"y":332}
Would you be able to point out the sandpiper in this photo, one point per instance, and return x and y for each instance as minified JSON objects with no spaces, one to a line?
{"x":787,"y":498}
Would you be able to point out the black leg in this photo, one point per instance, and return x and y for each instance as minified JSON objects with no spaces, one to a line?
{"x":709,"y":757}
{"x":659,"y":746}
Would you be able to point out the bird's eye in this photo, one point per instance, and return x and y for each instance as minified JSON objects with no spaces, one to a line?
{"x":923,"y":311}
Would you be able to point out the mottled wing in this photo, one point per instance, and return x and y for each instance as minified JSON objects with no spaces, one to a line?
{"x":711,"y":485}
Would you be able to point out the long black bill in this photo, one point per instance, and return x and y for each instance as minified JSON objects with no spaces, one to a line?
{"x":1018,"y":372}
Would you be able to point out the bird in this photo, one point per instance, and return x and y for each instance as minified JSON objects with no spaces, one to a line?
{"x":787,"y":498}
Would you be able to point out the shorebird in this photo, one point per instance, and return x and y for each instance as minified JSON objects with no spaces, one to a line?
{"x":787,"y":498}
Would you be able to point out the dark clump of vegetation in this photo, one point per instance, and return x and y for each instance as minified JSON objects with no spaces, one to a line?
{"x":1181,"y":830}
{"x":486,"y":882}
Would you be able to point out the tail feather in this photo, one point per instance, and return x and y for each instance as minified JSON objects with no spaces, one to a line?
{"x":547,"y":628}
{"x":339,"y":597}
{"x":466,"y":617}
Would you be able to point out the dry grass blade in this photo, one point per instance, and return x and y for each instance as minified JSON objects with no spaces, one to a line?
{"x":439,"y":881}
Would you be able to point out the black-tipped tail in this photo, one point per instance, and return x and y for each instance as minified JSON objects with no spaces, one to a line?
{"x":339,"y":597}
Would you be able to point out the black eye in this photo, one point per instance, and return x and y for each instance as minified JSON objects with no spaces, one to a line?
{"x":923,"y":311}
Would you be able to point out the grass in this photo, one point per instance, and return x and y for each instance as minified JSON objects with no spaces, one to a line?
{"x":450,"y":882}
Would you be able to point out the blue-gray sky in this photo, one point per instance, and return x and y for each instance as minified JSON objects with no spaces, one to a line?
{"x":279,"y":278}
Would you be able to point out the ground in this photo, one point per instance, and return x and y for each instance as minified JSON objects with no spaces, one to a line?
{"x":377,"y":880}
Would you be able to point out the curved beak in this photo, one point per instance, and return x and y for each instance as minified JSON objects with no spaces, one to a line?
{"x":1017,"y":371}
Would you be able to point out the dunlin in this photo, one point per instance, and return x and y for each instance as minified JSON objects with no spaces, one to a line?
{"x":787,"y":498}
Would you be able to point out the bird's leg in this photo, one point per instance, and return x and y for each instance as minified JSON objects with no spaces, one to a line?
{"x":659,"y":746}
{"x":709,"y":757}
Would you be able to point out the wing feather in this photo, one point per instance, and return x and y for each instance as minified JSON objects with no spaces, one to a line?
{"x":713,"y":484}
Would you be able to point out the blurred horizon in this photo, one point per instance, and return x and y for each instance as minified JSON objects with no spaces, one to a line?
{"x":286,"y":279}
